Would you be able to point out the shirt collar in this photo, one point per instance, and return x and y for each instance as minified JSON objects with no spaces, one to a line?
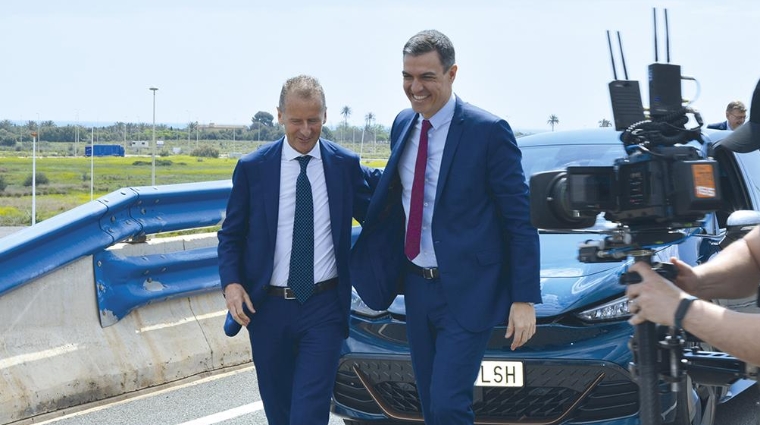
{"x":289,"y":153}
{"x":445,"y":114}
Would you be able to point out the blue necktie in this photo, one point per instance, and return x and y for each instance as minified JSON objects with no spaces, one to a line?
{"x":301,"y":279}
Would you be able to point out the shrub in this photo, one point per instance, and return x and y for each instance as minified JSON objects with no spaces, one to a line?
{"x":41,"y":179}
{"x":3,"y":184}
{"x":206,"y":151}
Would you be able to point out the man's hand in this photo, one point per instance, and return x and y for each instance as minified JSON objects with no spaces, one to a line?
{"x":522,"y":323}
{"x":687,"y":279}
{"x":235,"y":295}
{"x":655,"y":299}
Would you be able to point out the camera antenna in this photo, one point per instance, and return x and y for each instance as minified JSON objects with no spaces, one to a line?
{"x":664,"y":79}
{"x":625,"y":95}
{"x":656,"y":47}
{"x":622,"y":56}
{"x":612,"y":56}
{"x":667,"y":37}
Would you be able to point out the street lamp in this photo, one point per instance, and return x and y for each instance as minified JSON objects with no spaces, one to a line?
{"x":34,"y":176}
{"x":153,"y":160}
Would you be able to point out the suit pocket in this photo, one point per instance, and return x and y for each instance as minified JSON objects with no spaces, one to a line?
{"x":491,"y":256}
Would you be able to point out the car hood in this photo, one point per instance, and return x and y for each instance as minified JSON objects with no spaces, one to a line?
{"x":566,"y":283}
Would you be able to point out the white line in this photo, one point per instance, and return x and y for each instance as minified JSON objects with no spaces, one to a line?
{"x":142,"y":394}
{"x":182,"y":321}
{"x":39,"y":355}
{"x":227,"y":414}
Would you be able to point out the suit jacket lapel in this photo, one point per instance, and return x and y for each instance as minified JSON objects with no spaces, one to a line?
{"x":391,"y":172}
{"x":331,"y":162}
{"x":456,"y":129}
{"x":270,"y":174}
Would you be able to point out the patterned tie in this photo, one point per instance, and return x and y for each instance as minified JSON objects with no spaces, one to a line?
{"x":414,"y":227}
{"x":301,"y":279}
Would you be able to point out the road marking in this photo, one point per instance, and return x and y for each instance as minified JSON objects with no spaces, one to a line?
{"x":39,"y":355}
{"x":227,"y":414}
{"x":96,"y":406}
{"x":181,"y":321}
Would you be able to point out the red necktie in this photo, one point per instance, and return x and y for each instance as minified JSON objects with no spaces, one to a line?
{"x":414,"y":227}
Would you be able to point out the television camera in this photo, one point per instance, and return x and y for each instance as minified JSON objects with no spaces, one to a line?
{"x":656,"y":195}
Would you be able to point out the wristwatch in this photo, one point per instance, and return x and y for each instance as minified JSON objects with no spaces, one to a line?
{"x":683,"y":307}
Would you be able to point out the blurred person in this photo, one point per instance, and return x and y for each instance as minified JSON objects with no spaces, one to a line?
{"x":736,"y":114}
{"x":283,"y":256}
{"x":733,"y":273}
{"x":450,"y":223}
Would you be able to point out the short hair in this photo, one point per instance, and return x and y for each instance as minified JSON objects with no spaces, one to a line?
{"x":305,"y":87}
{"x":432,"y":40}
{"x":736,"y":105}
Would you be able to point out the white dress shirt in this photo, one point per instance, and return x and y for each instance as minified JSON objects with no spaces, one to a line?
{"x":324,"y":251}
{"x":440,"y":123}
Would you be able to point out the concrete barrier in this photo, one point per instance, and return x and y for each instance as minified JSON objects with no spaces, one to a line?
{"x":54,"y":353}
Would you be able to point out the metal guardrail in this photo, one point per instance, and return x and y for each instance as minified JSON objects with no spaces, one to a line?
{"x":130,"y":212}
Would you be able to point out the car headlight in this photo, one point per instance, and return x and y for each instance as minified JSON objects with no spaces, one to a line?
{"x":613,"y":310}
{"x":358,"y":307}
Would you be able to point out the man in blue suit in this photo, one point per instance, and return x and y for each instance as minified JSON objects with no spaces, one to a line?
{"x":736,"y":114}
{"x":283,"y":255}
{"x":450,"y":223}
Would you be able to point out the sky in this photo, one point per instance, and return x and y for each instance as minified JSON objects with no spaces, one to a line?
{"x":221,"y":61}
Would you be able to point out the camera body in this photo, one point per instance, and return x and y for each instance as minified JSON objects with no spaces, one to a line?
{"x":658,"y":186}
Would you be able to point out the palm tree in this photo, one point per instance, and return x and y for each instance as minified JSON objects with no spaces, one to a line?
{"x":553,"y":119}
{"x":368,"y":119}
{"x":605,"y":123}
{"x":346,"y":112}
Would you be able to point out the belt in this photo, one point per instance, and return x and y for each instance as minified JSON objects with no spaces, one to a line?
{"x":425,"y":272}
{"x":287,"y":293}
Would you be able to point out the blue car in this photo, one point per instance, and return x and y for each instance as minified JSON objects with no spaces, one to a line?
{"x":575,"y":369}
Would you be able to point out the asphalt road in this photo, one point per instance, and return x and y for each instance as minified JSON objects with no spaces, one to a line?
{"x":232,"y":398}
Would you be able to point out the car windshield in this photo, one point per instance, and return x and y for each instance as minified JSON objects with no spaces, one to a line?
{"x":556,"y":157}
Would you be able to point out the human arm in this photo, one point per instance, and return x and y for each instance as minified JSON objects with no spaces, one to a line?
{"x":656,"y":299}
{"x":363,"y":191}
{"x":510,"y":192}
{"x":733,"y":273}
{"x":231,"y":247}
{"x":521,"y":323}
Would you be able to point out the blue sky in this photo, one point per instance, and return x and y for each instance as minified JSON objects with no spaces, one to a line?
{"x":222,"y":61}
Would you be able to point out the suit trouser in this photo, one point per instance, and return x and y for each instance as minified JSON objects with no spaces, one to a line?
{"x":445,"y":357}
{"x":295,"y":350}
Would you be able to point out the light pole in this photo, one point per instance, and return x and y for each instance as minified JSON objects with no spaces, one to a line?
{"x":153,"y":155}
{"x":34,"y":177}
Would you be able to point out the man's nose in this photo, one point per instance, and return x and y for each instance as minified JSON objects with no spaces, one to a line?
{"x":416,"y":86}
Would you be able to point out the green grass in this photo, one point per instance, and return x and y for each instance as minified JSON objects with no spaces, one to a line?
{"x":69,"y":179}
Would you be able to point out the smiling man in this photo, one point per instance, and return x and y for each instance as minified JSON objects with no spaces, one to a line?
{"x":283,"y":254}
{"x":449,"y":222}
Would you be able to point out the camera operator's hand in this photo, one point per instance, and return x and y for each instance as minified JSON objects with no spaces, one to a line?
{"x":687,"y":278}
{"x":654,"y":299}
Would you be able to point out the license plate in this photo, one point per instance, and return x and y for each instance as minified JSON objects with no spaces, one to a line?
{"x":500,"y":374}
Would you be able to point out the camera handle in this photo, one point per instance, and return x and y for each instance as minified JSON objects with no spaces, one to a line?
{"x":645,"y":345}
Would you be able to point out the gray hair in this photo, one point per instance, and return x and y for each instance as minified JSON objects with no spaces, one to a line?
{"x":429,"y":41}
{"x":305,"y":87}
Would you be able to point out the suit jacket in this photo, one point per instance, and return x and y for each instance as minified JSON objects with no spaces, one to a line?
{"x":248,"y":234}
{"x":719,"y":126}
{"x":487,"y":250}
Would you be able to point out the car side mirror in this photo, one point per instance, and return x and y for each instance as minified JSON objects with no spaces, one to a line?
{"x":739,"y":223}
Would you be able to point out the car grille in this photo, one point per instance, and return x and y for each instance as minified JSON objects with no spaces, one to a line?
{"x":579,"y":392}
